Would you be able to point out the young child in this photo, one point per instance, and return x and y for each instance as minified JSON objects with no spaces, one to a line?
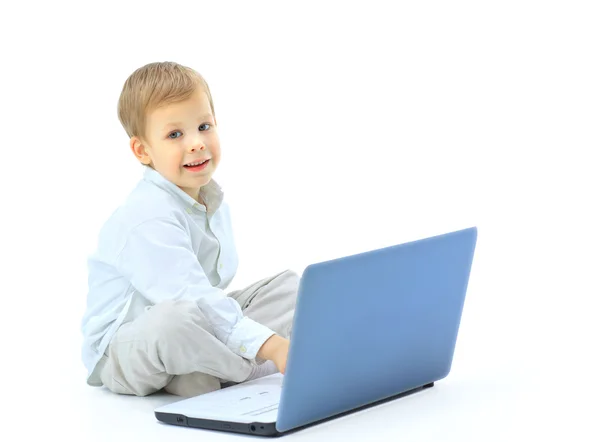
{"x":157,"y":314}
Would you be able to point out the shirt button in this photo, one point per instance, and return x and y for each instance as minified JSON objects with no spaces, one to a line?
{"x":188,"y":210}
{"x":221,"y":265}
{"x":243,"y":349}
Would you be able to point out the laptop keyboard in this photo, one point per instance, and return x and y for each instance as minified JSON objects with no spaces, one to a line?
{"x":263,"y":410}
{"x":253,"y":400}
{"x":257,"y":402}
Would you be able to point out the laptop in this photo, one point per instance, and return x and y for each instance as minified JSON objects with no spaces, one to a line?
{"x":368,"y":328}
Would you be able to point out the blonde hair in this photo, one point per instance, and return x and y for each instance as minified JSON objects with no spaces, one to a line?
{"x":152,"y":86}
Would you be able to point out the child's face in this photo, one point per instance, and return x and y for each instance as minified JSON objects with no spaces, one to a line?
{"x":178,"y":134}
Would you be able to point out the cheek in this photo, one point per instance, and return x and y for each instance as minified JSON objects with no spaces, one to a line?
{"x":174,"y":159}
{"x":216,"y":152}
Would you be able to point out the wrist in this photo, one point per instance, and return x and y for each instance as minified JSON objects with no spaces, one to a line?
{"x":270,"y":347}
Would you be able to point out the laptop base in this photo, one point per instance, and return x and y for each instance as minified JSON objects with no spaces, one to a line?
{"x":262,"y":428}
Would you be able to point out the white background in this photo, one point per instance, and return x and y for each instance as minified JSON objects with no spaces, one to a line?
{"x":345,"y":126}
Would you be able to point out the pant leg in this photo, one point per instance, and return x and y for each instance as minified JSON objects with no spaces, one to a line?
{"x":271,"y":301}
{"x":193,"y":384}
{"x":170,"y":346}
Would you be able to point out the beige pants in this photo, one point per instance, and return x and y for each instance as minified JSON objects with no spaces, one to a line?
{"x":172,"y":347}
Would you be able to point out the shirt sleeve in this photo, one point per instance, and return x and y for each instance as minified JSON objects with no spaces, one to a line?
{"x":160,"y":263}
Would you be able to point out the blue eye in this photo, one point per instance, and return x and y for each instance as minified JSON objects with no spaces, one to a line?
{"x":202,"y":130}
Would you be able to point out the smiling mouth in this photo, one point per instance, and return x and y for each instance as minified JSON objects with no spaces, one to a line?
{"x":196,"y":164}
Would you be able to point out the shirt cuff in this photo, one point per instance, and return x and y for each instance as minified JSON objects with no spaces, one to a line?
{"x":247,"y":338}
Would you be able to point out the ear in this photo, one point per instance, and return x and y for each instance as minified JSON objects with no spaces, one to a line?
{"x":139,"y":150}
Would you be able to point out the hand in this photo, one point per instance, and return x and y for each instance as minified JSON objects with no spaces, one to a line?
{"x":276,"y":349}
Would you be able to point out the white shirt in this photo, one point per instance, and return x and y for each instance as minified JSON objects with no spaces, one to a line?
{"x":161,"y":244}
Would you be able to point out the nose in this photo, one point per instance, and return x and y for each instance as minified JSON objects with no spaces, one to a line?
{"x":197,"y":144}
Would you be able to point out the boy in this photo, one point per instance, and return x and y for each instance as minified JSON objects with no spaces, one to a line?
{"x":157,"y":316}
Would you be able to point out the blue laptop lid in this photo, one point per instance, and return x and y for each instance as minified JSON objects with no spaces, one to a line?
{"x":374,"y":325}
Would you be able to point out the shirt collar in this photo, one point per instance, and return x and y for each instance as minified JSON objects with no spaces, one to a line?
{"x":211,"y":193}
